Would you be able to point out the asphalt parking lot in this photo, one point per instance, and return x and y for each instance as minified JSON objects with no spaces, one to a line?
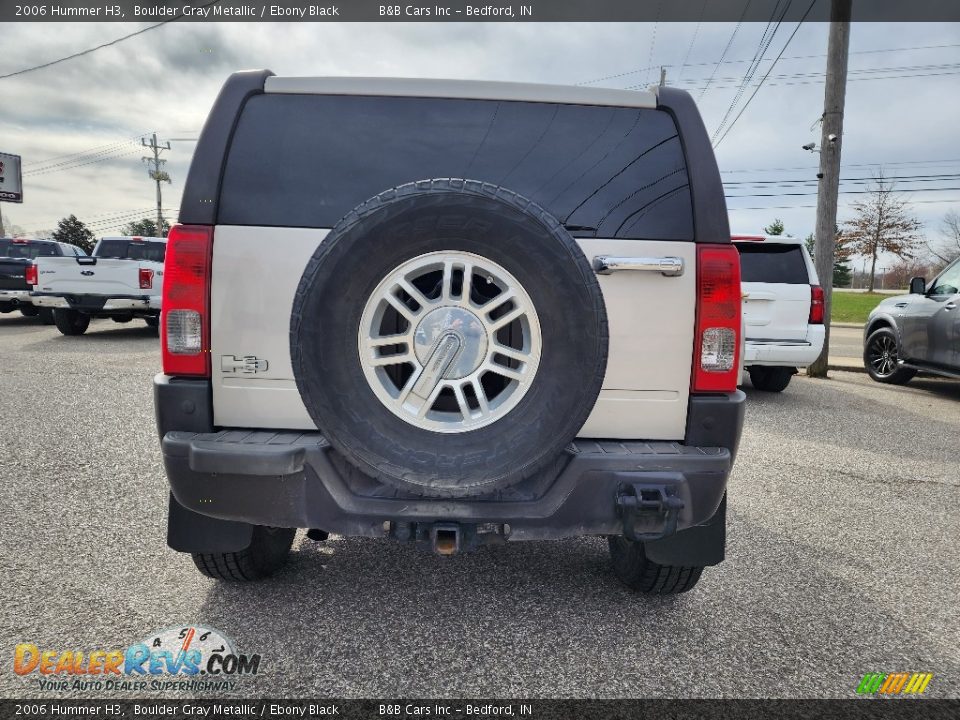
{"x":843,"y":557}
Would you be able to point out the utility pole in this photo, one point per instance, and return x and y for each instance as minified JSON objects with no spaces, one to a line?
{"x":156,"y":173}
{"x":831,"y":143}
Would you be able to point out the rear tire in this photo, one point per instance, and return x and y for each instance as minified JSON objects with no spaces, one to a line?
{"x":770,"y":379}
{"x":633,"y":569}
{"x":268,"y":551}
{"x":7,"y":307}
{"x":71,"y":322}
{"x":46,"y":316}
{"x":122,"y":318}
{"x":29,"y":311}
{"x":880,"y":355}
{"x":153,"y":321}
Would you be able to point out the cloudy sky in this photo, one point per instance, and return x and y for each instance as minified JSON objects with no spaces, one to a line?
{"x":78,"y":124}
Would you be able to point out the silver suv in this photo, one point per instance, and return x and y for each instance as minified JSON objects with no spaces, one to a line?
{"x":451,"y":313}
{"x":916,"y":332}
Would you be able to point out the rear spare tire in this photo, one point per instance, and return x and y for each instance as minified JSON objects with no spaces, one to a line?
{"x":449,"y":338}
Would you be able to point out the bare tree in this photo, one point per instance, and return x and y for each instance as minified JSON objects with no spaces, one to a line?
{"x":901,"y":272}
{"x":947,"y":248}
{"x":883,"y":223}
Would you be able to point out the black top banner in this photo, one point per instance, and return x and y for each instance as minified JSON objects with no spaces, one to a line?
{"x":173,"y":709}
{"x":458,"y":11}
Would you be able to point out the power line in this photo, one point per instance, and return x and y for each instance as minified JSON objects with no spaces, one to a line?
{"x":696,"y":31}
{"x":747,"y":104}
{"x":98,"y":47}
{"x":842,"y":192}
{"x":723,"y":61}
{"x":83,"y":52}
{"x":724,"y":54}
{"x":946,"y":201}
{"x":897,"y":178}
{"x":94,"y":161}
{"x":847,"y":165}
{"x":41,"y":164}
{"x":762,"y":48}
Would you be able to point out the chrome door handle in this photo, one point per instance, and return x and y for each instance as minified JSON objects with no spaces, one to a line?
{"x":668,"y":266}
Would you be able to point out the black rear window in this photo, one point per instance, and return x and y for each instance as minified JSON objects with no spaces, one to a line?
{"x":772,"y":263}
{"x":132,"y":250}
{"x":306,"y":160}
{"x":30,"y":250}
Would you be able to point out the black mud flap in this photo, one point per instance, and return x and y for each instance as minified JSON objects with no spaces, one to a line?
{"x":192,"y":532}
{"x":698,"y":546}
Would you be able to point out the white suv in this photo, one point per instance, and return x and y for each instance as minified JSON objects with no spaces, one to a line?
{"x":358,"y":342}
{"x":782,"y":308}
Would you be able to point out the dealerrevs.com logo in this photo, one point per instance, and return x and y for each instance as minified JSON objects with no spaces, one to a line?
{"x":192,"y":658}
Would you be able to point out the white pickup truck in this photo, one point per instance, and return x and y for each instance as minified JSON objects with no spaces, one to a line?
{"x":123,"y":279}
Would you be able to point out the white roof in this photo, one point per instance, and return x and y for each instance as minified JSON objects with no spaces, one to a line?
{"x":462,"y":89}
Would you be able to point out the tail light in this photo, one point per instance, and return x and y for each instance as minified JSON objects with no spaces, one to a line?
{"x":816,"y":305}
{"x":30,"y":275}
{"x":716,"y":361}
{"x":186,"y":301}
{"x":146,"y":278}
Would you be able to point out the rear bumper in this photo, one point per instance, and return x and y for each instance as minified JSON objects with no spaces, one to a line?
{"x":96,"y":303}
{"x":785,"y":353}
{"x":291,"y":479}
{"x":17,"y":297}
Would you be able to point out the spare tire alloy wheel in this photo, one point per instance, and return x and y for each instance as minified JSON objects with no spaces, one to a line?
{"x":449,"y":338}
{"x":455,"y":310}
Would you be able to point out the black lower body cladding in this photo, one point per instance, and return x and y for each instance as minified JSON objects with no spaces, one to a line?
{"x":475,"y":220}
{"x":226,"y":483}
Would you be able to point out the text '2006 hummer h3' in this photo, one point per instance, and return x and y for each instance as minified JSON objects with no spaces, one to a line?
{"x":452,"y":313}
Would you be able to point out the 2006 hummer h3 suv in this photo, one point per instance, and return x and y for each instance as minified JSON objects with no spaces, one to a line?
{"x":451,"y":313}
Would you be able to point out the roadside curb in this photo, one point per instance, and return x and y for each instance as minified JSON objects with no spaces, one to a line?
{"x":852,"y":367}
{"x":858,"y":326}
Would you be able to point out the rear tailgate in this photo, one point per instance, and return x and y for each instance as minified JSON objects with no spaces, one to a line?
{"x":12,"y":274}
{"x":776,"y":287}
{"x":88,"y":276}
{"x":651,"y":323}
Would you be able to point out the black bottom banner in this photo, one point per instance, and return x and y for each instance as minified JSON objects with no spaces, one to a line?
{"x":865,"y":709}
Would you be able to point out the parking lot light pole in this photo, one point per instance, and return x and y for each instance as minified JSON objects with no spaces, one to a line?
{"x":831,"y":144}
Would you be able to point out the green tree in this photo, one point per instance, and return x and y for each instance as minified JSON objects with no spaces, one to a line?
{"x":776,"y":228}
{"x":841,"y":254}
{"x":841,"y":275}
{"x":145,"y":228}
{"x":73,"y":231}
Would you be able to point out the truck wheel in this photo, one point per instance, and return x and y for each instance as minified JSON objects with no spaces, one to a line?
{"x":770,"y":379}
{"x":153,"y":322}
{"x":449,"y":338}
{"x":29,"y":310}
{"x":7,"y":307}
{"x":268,"y":551}
{"x":880,"y":355}
{"x":634,"y":570}
{"x":46,"y":316}
{"x":121,"y":318}
{"x":71,"y":322}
